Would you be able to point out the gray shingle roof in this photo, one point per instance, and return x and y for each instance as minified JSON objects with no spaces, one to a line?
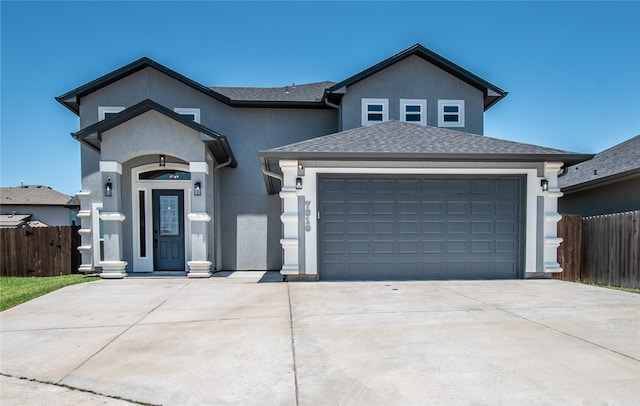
{"x":32,"y":195}
{"x":398,"y":140}
{"x":620,"y":160}
{"x":311,"y":92}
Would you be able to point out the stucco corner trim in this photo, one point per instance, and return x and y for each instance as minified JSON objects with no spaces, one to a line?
{"x":112,"y":216}
{"x":111,"y":166}
{"x":194,"y":217}
{"x":200,"y":167}
{"x":199,"y":269}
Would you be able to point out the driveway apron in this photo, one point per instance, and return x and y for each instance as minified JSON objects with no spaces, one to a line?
{"x":232,"y":340}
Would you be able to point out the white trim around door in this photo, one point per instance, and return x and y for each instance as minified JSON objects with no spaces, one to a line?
{"x":142,"y":205}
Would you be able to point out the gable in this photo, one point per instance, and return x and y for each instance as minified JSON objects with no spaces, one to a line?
{"x":492,"y":93}
{"x":413,"y":78}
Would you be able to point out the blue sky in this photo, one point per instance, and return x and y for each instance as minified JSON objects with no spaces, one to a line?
{"x":572,"y":69}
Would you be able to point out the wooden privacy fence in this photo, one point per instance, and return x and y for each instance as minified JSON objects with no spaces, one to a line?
{"x":608,"y":245}
{"x":40,"y":251}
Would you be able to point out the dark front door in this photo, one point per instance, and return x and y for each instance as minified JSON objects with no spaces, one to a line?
{"x":168,"y":230}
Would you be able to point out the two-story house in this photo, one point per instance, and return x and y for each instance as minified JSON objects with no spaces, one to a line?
{"x":384,"y":175}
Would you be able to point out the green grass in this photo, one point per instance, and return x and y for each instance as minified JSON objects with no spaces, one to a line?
{"x":15,"y":290}
{"x":630,"y":290}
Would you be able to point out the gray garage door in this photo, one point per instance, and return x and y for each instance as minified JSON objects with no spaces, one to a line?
{"x":380,"y":228}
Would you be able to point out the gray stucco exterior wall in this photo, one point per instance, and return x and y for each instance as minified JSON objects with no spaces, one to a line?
{"x":250,"y":218}
{"x":245,"y":230}
{"x":414,"y":78}
{"x":614,"y":197}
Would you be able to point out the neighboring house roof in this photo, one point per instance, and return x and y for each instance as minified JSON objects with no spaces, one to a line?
{"x":73,"y":203}
{"x":311,"y":92}
{"x":36,"y":195}
{"x":614,"y":163}
{"x":492,"y":93}
{"x":218,"y":144}
{"x":13,"y":220}
{"x":399,"y":141}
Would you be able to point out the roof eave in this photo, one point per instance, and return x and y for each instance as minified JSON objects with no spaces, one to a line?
{"x":600,"y":181}
{"x":566,"y":159}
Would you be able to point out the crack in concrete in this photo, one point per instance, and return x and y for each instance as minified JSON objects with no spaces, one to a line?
{"x":121,"y":334}
{"x":293,"y":347}
{"x":76,"y":389}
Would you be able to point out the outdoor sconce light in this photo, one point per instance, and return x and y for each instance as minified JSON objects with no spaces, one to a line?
{"x":545,"y":185}
{"x":161,"y":160}
{"x":298,"y":183}
{"x":197,"y":189}
{"x":108,"y":188}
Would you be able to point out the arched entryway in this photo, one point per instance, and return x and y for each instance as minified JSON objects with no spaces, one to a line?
{"x":161,"y":197}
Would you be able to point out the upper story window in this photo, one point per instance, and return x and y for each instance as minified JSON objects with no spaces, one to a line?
{"x":108,"y":111}
{"x":374,"y":111}
{"x":450,"y":113}
{"x":413,"y":111}
{"x":190,"y":113}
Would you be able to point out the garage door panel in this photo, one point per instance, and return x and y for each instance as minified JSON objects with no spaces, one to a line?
{"x":482,"y":208}
{"x":383,"y":227}
{"x":457,"y":227}
{"x":333,"y":208}
{"x":431,"y":247}
{"x":383,"y":247}
{"x":433,"y":207}
{"x":432,"y":227}
{"x":358,"y":227}
{"x":333,"y":247}
{"x":358,"y":208}
{"x":408,"y":227}
{"x":481,"y":246}
{"x":457,"y":208}
{"x":457,"y":247}
{"x":358,"y":247}
{"x":505,"y":247}
{"x":481,"y":226}
{"x":428,"y":227}
{"x":506,"y":227}
{"x":481,"y":186}
{"x":457,"y":186}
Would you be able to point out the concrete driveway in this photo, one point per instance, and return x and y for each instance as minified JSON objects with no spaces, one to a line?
{"x":233,"y":340}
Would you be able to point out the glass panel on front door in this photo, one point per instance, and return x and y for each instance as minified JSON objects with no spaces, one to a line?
{"x":169,"y":218}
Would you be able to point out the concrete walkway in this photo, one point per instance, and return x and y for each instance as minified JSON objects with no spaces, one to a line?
{"x":234,"y":340}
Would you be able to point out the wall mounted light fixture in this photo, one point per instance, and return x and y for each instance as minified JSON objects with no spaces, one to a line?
{"x":108,"y":188}
{"x":161,"y":160}
{"x":298,"y":183}
{"x":197,"y":189}
{"x":544,"y":184}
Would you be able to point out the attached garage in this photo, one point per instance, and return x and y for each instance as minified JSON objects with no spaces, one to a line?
{"x":419,"y":227}
{"x":399,"y":201}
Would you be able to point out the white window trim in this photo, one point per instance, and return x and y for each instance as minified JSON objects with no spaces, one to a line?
{"x":385,"y":110}
{"x":442,"y":104}
{"x":189,"y":110}
{"x":414,"y":102}
{"x":102,"y":110}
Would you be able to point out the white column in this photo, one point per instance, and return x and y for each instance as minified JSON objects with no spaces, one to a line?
{"x":86,"y":239}
{"x":113,"y":267}
{"x":199,"y":264}
{"x":289,"y":218}
{"x":551,"y":218}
